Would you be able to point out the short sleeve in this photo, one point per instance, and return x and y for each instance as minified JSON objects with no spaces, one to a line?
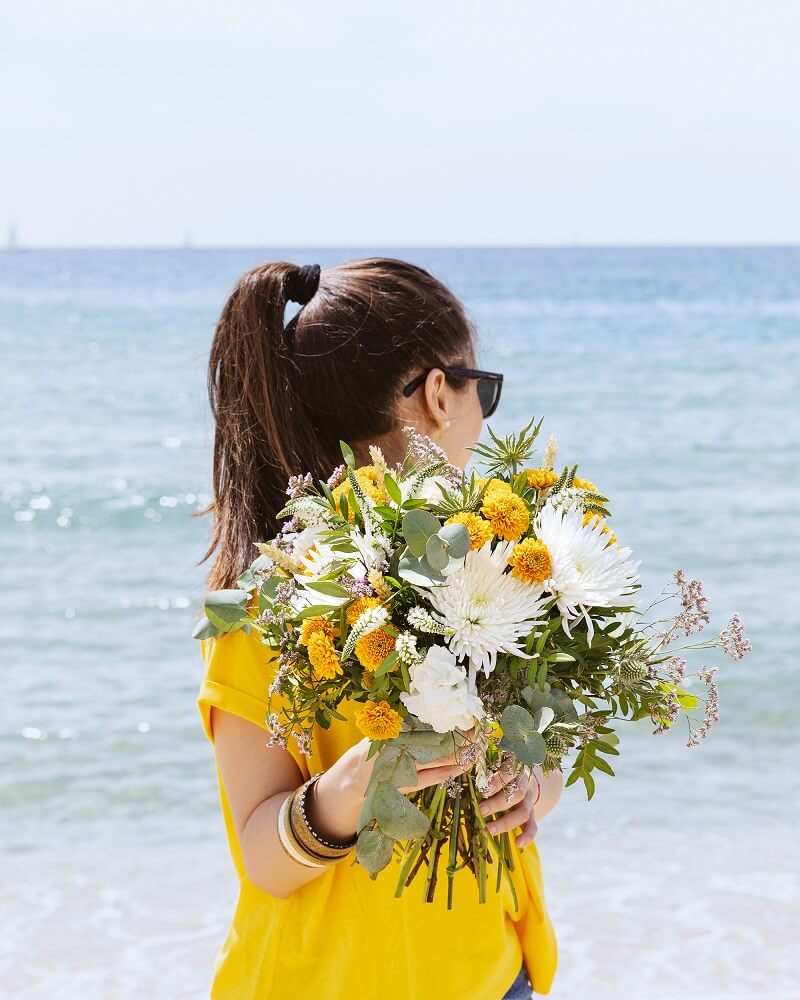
{"x":239,"y":669}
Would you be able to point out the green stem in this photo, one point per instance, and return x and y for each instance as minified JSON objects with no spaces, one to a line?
{"x":455,"y":826}
{"x":435,"y":833}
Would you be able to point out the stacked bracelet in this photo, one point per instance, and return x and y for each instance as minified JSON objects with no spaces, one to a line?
{"x":300,"y":840}
{"x":288,"y":840}
{"x":304,"y":828}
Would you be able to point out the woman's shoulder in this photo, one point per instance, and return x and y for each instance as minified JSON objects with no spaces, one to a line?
{"x":238,"y":672}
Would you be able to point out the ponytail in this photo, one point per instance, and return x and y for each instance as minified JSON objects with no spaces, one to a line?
{"x":283,"y":395}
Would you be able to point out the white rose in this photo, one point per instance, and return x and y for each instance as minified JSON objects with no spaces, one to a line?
{"x":440,"y":695}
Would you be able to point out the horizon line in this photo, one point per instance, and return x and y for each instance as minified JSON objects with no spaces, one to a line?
{"x":699,"y":245}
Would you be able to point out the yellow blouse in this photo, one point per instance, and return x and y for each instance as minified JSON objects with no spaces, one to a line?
{"x":344,"y":936}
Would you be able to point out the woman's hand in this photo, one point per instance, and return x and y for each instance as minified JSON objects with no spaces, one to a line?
{"x":517,"y":795}
{"x":340,"y":791}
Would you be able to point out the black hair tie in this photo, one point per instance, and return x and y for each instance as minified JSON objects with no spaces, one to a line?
{"x":302,"y":284}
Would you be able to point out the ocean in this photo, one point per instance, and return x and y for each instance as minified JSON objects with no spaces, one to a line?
{"x":669,"y":374}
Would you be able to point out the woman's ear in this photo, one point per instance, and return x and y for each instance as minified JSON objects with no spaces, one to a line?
{"x":436,"y":395}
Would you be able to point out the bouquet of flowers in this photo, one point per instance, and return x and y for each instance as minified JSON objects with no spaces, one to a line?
{"x":488,"y":616}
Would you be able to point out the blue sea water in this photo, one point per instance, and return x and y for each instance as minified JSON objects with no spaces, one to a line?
{"x":670,"y":375}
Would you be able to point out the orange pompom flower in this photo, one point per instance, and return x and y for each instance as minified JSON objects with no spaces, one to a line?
{"x":480,"y":531}
{"x":531,"y":560}
{"x":323,"y":657}
{"x":507,"y":513}
{"x":312,"y":626}
{"x":379,"y":721}
{"x":373,"y":649}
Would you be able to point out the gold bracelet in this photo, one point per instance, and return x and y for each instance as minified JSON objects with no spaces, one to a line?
{"x":289,"y":842}
{"x":309,"y":838}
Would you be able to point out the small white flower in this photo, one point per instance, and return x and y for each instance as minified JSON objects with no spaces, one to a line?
{"x":368,"y":621}
{"x":440,"y":695}
{"x":428,"y":489}
{"x":406,"y":648}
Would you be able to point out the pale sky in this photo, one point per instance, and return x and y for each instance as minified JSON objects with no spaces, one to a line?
{"x":350,"y":122}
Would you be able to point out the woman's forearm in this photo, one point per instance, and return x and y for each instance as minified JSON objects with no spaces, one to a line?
{"x":268,"y":864}
{"x":552,"y":785}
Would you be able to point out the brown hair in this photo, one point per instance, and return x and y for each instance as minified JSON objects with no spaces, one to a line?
{"x":284,"y":395}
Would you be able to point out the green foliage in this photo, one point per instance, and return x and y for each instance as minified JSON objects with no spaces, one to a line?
{"x":226,"y":610}
{"x":467,"y":497}
{"x":588,"y":758}
{"x":374,"y":850}
{"x":418,"y":527}
{"x":521,"y":735}
{"x":506,"y":455}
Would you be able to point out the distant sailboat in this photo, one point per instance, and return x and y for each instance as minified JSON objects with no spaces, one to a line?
{"x":13,"y":241}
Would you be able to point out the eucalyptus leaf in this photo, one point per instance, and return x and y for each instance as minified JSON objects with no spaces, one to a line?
{"x":418,"y":526}
{"x":530,"y":750}
{"x":436,"y":553}
{"x":456,"y":538}
{"x":347,"y":454}
{"x":227,"y":609}
{"x":396,"y":765}
{"x":418,"y":572}
{"x":374,"y":850}
{"x":204,"y":629}
{"x":517,"y":722}
{"x":397,"y":817}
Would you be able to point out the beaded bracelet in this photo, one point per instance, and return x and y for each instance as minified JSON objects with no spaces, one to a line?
{"x":302,"y":824}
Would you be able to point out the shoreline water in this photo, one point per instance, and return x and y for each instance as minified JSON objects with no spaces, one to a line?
{"x":669,"y":376}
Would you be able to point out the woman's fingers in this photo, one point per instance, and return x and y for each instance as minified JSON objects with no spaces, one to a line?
{"x":529,"y":830}
{"x":504,"y":798}
{"x":436,"y":775}
{"x":521,"y":813}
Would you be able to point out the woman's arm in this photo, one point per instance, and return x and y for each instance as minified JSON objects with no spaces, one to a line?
{"x":552,"y":787}
{"x":257,"y":779}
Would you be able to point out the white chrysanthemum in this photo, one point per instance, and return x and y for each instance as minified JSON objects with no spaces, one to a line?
{"x":487,"y":608}
{"x":440,"y":695}
{"x":587,"y":572}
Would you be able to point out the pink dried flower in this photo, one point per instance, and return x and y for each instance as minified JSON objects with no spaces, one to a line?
{"x":298,"y":485}
{"x":336,"y":478}
{"x":733,"y":641}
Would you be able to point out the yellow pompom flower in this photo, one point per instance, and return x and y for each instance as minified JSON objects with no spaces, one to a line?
{"x":480,"y":531}
{"x":323,"y":656}
{"x":371,"y":482}
{"x":531,"y":560}
{"x":584,"y":484}
{"x":507,"y":513}
{"x":357,"y":607}
{"x":541,"y":479}
{"x":312,"y":626}
{"x":492,"y":486}
{"x":373,"y":649}
{"x":379,"y":721}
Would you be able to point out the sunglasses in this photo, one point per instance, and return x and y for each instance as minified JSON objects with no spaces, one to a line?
{"x":490,"y":385}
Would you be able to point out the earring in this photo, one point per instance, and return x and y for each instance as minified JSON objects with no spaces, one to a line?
{"x":447,"y":423}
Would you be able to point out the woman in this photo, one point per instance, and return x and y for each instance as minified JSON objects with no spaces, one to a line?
{"x":377,"y":345}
